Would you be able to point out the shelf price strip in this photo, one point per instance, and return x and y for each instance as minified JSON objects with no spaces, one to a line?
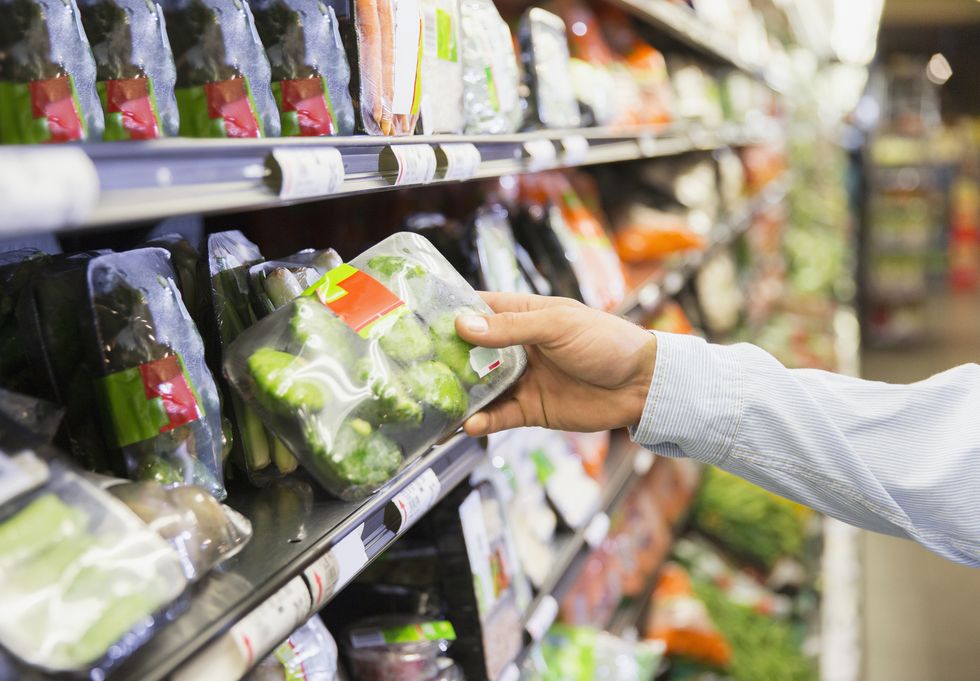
{"x":542,"y":618}
{"x":597,"y":530}
{"x":411,"y":163}
{"x":309,"y":172}
{"x":46,"y":188}
{"x":337,"y":567}
{"x":540,"y":154}
{"x":459,"y":161}
{"x":412,"y":502}
{"x":576,"y":149}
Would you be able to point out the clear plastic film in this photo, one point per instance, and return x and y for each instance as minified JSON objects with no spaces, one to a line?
{"x":496,"y":250}
{"x":83,"y":581}
{"x":39,"y":417}
{"x":491,"y":75}
{"x":275,"y":283}
{"x":544,"y":52}
{"x":398,"y":648}
{"x":158,"y":400}
{"x":442,"y":68}
{"x":310,"y":73}
{"x":365,"y":371}
{"x":184,"y":259}
{"x":223,"y":75}
{"x":135,"y":67}
{"x":309,"y":654}
{"x":47,"y":74}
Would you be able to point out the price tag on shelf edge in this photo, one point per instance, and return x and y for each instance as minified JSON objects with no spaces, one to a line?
{"x":409,"y":163}
{"x":576,"y":149}
{"x":308,"y":172}
{"x":413,"y":501}
{"x":45,"y":188}
{"x":648,"y":145}
{"x":331,"y":572}
{"x":597,"y":530}
{"x":459,"y":161}
{"x":265,"y":627}
{"x":643,"y":462}
{"x":542,"y":618}
{"x":541,"y":154}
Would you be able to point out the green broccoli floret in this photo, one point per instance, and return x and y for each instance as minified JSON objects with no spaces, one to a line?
{"x":391,"y":401}
{"x":390,"y":265}
{"x":452,"y":350}
{"x":406,"y":340}
{"x":283,"y":382}
{"x":159,"y":470}
{"x":313,"y":325}
{"x":435,"y":384}
{"x":360,"y":456}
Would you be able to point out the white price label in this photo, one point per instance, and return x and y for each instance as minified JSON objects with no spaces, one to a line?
{"x":510,"y":673}
{"x":643,"y":462}
{"x":673,"y":282}
{"x":597,"y":530}
{"x":484,"y":360}
{"x":20,"y":473}
{"x":542,"y":618}
{"x":576,"y":149}
{"x":416,"y":163}
{"x":332,"y":572}
{"x":420,"y":495}
{"x":269,"y":624}
{"x":541,"y":154}
{"x":45,"y":188}
{"x":309,"y":172}
{"x":647,"y":145}
{"x":462,"y":161}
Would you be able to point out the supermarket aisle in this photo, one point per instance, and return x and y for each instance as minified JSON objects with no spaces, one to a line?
{"x":920,"y":620}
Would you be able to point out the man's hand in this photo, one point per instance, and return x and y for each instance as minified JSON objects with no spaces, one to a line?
{"x":587,"y":370}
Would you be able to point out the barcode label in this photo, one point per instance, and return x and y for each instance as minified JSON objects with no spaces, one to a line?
{"x":20,"y":473}
{"x":309,"y":172}
{"x":485,"y":360}
{"x":541,"y":154}
{"x":462,"y":161}
{"x":269,"y":624}
{"x":542,"y":618}
{"x":416,"y":163}
{"x":332,"y":572}
{"x":413,"y":501}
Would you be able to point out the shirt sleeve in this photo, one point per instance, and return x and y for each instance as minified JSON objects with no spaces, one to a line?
{"x":899,"y":459}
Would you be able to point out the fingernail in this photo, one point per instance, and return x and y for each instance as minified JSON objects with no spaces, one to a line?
{"x":474,"y":323}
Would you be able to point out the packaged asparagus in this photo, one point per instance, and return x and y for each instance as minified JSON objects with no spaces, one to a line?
{"x":134,"y":66}
{"x":274,"y":283}
{"x":47,"y":74}
{"x":223,"y":75}
{"x":364,"y":371}
{"x":184,"y":259}
{"x":310,"y":74}
{"x":258,"y":452}
{"x":544,"y":52}
{"x":156,"y":395}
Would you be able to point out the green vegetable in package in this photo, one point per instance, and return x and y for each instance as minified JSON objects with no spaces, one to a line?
{"x":364,"y":371}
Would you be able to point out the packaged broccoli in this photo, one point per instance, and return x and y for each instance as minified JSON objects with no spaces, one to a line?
{"x":309,"y":654}
{"x":134,"y":67}
{"x":83,"y":580}
{"x":491,"y":74}
{"x":544,"y":53}
{"x":47,"y":74}
{"x":223,"y":75}
{"x":442,"y":68}
{"x":157,"y":398}
{"x":365,"y":371}
{"x":258,"y":452}
{"x":310,"y":74}
{"x":275,"y":283}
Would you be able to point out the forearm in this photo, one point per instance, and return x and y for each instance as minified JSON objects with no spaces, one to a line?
{"x":903,"y":460}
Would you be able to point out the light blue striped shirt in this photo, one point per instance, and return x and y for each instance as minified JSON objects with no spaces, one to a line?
{"x":899,"y":459}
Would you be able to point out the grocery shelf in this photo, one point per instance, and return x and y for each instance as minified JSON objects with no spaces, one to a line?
{"x":293,"y":527}
{"x":90,"y":185}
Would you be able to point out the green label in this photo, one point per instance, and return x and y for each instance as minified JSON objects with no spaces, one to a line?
{"x":413,"y":633}
{"x":492,"y":89}
{"x":542,"y":465}
{"x":446,"y":48}
{"x":291,"y":663}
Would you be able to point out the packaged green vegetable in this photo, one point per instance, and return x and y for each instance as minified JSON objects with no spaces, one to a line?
{"x":275,"y":283}
{"x":364,"y":371}
{"x":16,"y":269}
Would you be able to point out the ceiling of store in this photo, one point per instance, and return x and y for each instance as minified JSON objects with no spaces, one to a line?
{"x":932,"y":12}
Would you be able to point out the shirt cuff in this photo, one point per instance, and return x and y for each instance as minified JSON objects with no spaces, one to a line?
{"x":695,"y":400}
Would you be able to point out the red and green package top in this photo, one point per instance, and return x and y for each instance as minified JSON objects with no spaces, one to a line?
{"x":224,"y":108}
{"x":360,"y":300}
{"x":152,"y":398}
{"x":41,"y":111}
{"x":130,"y":108}
{"x":305,"y":108}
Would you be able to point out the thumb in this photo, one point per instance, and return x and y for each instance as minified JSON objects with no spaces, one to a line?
{"x":509,"y":328}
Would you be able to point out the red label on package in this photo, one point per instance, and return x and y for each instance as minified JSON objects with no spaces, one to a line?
{"x":357,"y":298}
{"x":131,"y":98}
{"x":229,"y":101}
{"x":306,"y":97}
{"x":53,"y":100}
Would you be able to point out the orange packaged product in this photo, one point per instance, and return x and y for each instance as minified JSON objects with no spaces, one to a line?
{"x":671,"y":318}
{"x":680,"y":619}
{"x":592,"y":449}
{"x":647,"y":233}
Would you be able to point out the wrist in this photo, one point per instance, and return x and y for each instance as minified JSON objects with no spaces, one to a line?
{"x":638,"y":389}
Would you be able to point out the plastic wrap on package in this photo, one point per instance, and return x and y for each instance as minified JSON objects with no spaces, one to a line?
{"x":442,"y":68}
{"x":310,"y":654}
{"x":365,"y":371}
{"x":544,"y":53}
{"x":414,"y":653}
{"x":275,"y":283}
{"x":310,"y":74}
{"x":37,"y":416}
{"x":491,"y":74}
{"x":134,"y":66}
{"x":223,"y":76}
{"x":158,"y":400}
{"x":496,"y":250}
{"x":47,"y":74}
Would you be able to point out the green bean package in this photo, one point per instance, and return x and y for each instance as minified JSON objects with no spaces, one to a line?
{"x":47,"y":74}
{"x":135,"y":68}
{"x":157,"y":397}
{"x":310,"y":74}
{"x":223,"y":75}
{"x":365,"y":371}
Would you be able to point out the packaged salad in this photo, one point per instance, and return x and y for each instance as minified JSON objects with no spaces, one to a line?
{"x":47,"y":74}
{"x":309,"y":654}
{"x":223,"y":76}
{"x":310,"y":74}
{"x":134,"y":66}
{"x":365,"y":371}
{"x":398,"y":648}
{"x":491,"y":75}
{"x":544,"y":53}
{"x":442,"y":68}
